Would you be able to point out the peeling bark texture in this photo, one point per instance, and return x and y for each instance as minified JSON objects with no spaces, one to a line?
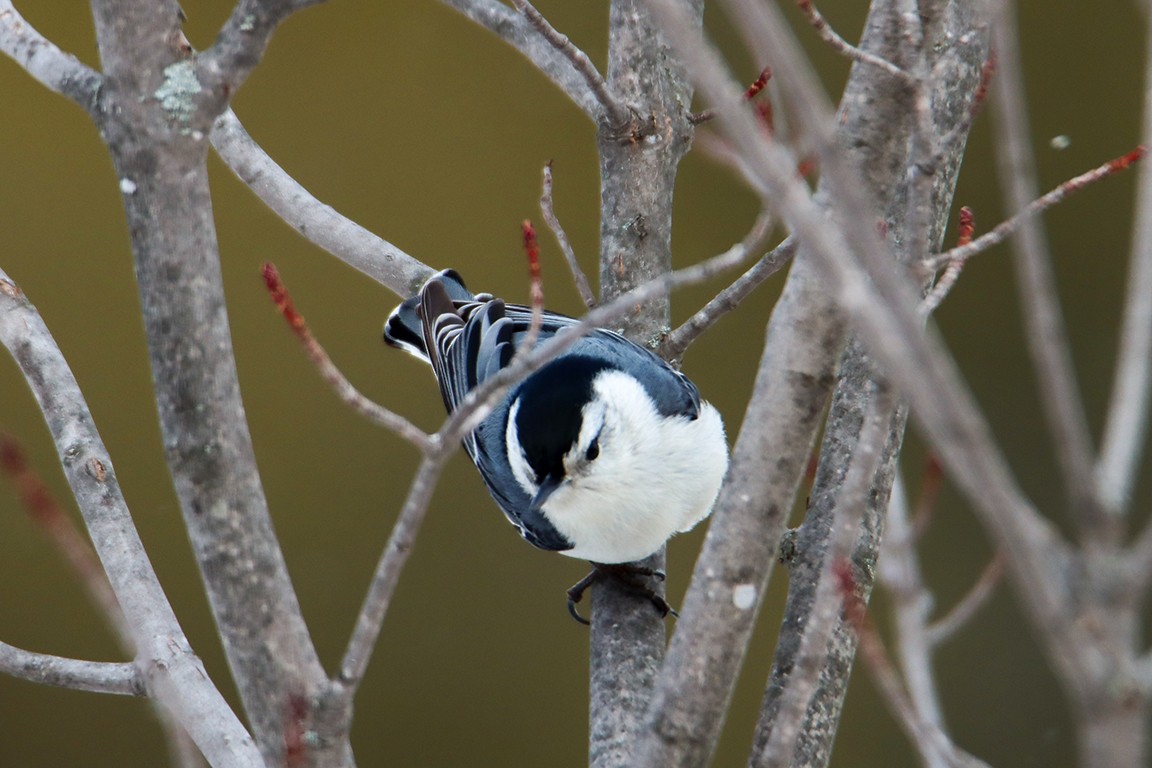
{"x":876,"y":115}
{"x":638,"y":164}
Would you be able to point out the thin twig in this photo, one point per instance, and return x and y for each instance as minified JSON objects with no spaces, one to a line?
{"x":345,"y":390}
{"x":947,"y":625}
{"x":1009,"y":227}
{"x":699,"y":118}
{"x":122,"y":678}
{"x":832,"y":38}
{"x":370,"y":619}
{"x":1047,"y":340}
{"x":548,"y":210}
{"x":899,"y":573}
{"x":830,"y":600}
{"x":952,"y":272}
{"x":729,"y":298}
{"x":536,"y":285}
{"x":617,"y":113}
{"x":320,"y":224}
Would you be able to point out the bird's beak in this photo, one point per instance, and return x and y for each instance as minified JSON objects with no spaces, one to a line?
{"x":546,"y":489}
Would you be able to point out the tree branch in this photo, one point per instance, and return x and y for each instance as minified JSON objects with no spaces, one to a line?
{"x":155,"y":114}
{"x":1127,"y":423}
{"x":170,"y":670}
{"x":678,"y":341}
{"x":962,"y":612}
{"x":94,"y":676}
{"x":320,"y":224}
{"x":514,"y":29}
{"x":845,"y":523}
{"x":549,"y":212}
{"x":58,"y":71}
{"x":616,"y":113}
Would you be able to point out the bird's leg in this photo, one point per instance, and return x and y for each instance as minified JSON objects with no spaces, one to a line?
{"x":630,"y":576}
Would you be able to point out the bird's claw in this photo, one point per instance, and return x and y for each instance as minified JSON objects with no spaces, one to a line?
{"x":629,"y":576}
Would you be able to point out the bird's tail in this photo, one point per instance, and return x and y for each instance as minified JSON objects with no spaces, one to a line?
{"x":404,"y":329}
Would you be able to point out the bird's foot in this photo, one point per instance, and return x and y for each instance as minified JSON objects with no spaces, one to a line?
{"x":632,"y":577}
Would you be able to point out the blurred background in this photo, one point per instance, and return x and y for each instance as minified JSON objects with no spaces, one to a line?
{"x":432,"y":133}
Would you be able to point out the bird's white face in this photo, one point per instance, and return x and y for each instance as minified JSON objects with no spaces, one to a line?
{"x":632,"y":478}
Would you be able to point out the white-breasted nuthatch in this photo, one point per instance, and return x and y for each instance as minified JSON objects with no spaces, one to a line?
{"x":602,"y":454}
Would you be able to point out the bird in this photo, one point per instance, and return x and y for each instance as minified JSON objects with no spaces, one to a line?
{"x":602,"y":454}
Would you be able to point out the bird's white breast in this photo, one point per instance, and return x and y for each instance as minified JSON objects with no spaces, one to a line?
{"x":656,"y":476}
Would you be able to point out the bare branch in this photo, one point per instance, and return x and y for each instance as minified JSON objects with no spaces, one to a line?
{"x":898,"y":572}
{"x":51,"y":67}
{"x":319,"y":223}
{"x":549,"y":212}
{"x":947,"y":625}
{"x":1127,"y":424}
{"x":1047,"y":340}
{"x":370,"y":620}
{"x":1009,"y":227}
{"x":615,"y":111}
{"x":172,"y":673}
{"x":952,"y":273}
{"x":728,"y":299}
{"x":122,"y":678}
{"x":699,"y":118}
{"x":830,"y":595}
{"x":514,"y":29}
{"x":829,"y":35}
{"x":351,"y":396}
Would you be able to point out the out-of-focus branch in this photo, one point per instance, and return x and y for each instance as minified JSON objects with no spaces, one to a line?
{"x":1047,"y":341}
{"x":319,"y":223}
{"x":170,"y":670}
{"x":963,"y":611}
{"x":64,"y":535}
{"x":47,"y":64}
{"x":832,"y":38}
{"x":828,"y":601}
{"x":78,"y":675}
{"x":1127,"y":424}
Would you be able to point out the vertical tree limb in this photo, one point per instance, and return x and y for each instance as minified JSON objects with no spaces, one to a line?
{"x":155,"y":115}
{"x":638,"y":164}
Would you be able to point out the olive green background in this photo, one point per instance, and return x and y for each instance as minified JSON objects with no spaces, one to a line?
{"x":432,"y":133}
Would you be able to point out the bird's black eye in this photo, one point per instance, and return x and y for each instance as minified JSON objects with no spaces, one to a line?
{"x":593,"y":450}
